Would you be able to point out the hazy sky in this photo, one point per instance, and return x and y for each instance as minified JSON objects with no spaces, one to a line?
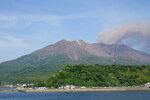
{"x":28,"y":25}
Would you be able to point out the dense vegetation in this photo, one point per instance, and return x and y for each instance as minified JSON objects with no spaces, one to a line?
{"x":100,"y":75}
{"x":28,"y":69}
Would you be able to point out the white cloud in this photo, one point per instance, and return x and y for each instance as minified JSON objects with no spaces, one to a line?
{"x":22,"y":21}
{"x":10,"y":42}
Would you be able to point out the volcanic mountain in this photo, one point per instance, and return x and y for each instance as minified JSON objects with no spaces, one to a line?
{"x":41,"y":63}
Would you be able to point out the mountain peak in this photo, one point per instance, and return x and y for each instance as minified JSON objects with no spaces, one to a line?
{"x":79,"y":42}
{"x":62,"y":41}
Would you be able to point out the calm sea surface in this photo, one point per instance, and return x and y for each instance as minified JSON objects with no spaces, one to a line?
{"x":136,"y":95}
{"x":5,"y":88}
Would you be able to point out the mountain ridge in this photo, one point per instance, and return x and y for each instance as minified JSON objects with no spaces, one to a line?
{"x":77,"y":48}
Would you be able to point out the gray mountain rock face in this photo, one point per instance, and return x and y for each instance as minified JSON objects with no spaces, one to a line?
{"x":78,"y":48}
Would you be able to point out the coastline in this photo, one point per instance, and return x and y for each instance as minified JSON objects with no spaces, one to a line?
{"x":82,"y":90}
{"x":91,"y":90}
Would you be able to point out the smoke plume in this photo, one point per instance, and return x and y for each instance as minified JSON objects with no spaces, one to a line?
{"x":136,"y":35}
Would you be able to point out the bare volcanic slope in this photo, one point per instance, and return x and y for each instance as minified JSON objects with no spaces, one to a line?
{"x":78,"y":49}
{"x":39,"y":64}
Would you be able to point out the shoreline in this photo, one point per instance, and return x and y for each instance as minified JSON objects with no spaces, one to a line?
{"x":90,"y":90}
{"x":80,"y":90}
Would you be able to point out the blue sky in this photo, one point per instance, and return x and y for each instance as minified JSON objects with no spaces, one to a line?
{"x":28,"y":25}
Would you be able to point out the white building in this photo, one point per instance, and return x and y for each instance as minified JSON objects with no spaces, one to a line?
{"x":24,"y":86}
{"x":83,"y":87}
{"x":147,"y":85}
{"x":67,"y":87}
{"x":42,"y":88}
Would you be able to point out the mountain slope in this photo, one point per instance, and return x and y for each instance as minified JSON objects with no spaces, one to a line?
{"x":41,"y":63}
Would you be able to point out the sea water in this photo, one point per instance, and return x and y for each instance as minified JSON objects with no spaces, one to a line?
{"x":134,"y":95}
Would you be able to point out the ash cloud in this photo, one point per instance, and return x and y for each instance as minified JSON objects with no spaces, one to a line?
{"x":136,"y":35}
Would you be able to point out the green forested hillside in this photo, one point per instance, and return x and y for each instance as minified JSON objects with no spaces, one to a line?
{"x":100,"y":75}
{"x":25,"y":70}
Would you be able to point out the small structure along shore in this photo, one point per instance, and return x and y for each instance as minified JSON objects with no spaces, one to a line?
{"x":72,"y":88}
{"x":147,"y":85}
{"x":100,"y":89}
